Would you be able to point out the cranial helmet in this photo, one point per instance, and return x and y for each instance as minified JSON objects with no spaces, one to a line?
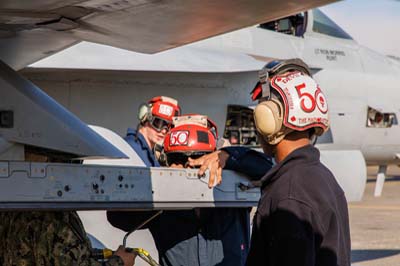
{"x":191,"y":136}
{"x":289,"y":100}
{"x":159,"y":111}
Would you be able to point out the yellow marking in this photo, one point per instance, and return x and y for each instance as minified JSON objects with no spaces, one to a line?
{"x":107,"y":253}
{"x":141,"y":250}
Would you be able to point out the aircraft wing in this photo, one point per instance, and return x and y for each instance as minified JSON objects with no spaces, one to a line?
{"x":31,"y":30}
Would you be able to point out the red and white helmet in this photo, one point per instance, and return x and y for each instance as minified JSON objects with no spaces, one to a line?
{"x":192,"y":136}
{"x":159,"y":112}
{"x":289,"y":100}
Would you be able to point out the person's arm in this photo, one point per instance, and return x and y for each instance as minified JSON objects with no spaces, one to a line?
{"x":76,"y":248}
{"x":58,"y":238}
{"x":246,"y":161}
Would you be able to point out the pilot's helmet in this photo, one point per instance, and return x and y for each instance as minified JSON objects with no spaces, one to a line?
{"x":289,"y":99}
{"x":192,"y":136}
{"x":159,"y":112}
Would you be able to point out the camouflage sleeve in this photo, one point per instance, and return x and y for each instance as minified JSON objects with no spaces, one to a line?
{"x":48,"y":239}
{"x":114,"y":261}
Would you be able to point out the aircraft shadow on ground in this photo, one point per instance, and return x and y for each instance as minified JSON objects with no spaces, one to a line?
{"x":359,"y":255}
{"x":389,"y":179}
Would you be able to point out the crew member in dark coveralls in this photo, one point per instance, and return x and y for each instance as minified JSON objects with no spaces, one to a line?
{"x":302,"y":217}
{"x":216,"y":237}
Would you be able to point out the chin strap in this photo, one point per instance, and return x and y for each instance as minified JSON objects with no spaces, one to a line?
{"x":160,"y":155}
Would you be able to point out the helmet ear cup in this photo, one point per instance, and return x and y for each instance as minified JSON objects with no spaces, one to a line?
{"x":144,"y":112}
{"x":268,"y":117}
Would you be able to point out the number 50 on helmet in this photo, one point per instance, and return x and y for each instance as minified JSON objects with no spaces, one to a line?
{"x":193,"y":136}
{"x":289,"y":100}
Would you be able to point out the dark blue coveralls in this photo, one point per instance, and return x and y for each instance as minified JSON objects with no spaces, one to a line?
{"x":201,"y":237}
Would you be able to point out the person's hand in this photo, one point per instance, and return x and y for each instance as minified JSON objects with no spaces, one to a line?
{"x":214,"y":162}
{"x":127,"y":257}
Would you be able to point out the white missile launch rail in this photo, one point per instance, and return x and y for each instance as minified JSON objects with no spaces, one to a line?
{"x":90,"y":187}
{"x":42,"y":145}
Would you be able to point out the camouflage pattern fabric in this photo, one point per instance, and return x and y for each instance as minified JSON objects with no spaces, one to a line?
{"x":46,"y":239}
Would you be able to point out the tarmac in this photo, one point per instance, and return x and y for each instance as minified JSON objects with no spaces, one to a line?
{"x":375,"y":223}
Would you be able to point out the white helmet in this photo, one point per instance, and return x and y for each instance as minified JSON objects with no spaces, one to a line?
{"x":289,"y":100}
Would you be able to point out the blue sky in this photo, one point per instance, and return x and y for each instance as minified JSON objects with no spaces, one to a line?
{"x":372,"y":23}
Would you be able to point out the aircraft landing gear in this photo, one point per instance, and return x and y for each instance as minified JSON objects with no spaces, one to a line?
{"x":380,"y":180}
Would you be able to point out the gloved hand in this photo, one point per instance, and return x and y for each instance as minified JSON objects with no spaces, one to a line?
{"x":127,"y":257}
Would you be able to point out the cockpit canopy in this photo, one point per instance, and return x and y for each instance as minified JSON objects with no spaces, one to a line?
{"x":298,"y":24}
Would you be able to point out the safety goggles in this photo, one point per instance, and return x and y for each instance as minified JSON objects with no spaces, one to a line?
{"x":179,"y":158}
{"x":159,"y":124}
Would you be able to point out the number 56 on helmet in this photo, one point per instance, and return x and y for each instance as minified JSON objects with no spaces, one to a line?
{"x":289,"y":100}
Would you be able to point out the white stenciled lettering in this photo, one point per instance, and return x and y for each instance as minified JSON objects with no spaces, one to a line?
{"x":165,"y":110}
{"x":289,"y":98}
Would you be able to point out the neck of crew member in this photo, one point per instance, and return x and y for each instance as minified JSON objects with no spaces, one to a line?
{"x":290,"y":143}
